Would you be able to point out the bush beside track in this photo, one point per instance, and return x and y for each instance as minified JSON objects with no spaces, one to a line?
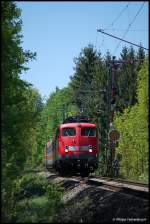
{"x":33,"y":200}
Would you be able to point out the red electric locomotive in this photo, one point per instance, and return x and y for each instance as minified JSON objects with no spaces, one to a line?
{"x":74,"y":149}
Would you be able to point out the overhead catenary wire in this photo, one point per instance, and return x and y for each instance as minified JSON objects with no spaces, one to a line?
{"x":96,"y":41}
{"x":121,"y":39}
{"x":128,"y":14}
{"x":102,"y":44}
{"x":112,"y":23}
{"x":134,"y":30}
{"x":118,"y":16}
{"x":100,"y":30}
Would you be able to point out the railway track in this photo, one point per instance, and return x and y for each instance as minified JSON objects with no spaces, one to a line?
{"x":124,"y":187}
{"x":100,"y":200}
{"x":123,"y":181}
{"x":127,"y":187}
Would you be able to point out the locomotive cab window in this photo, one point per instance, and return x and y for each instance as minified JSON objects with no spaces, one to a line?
{"x":88,"y":131}
{"x":68,"y":132}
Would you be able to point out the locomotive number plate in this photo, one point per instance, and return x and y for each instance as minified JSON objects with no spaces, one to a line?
{"x":72,"y":148}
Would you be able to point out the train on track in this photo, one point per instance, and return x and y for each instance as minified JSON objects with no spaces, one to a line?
{"x":75,"y":148}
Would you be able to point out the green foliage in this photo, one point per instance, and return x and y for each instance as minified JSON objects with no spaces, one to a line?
{"x":28,"y":186}
{"x":133,"y":128}
{"x":56,"y":110}
{"x":21,"y":105}
{"x":127,"y":77}
{"x":18,"y":98}
{"x":33,"y":200}
{"x":81,"y":81}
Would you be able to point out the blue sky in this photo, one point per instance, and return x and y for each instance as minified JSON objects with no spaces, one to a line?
{"x":58,"y":31}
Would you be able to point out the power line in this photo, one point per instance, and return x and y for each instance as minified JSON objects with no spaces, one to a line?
{"x":128,"y":15}
{"x":102,"y":44}
{"x":137,"y":13}
{"x":118,"y":16}
{"x":129,"y":26}
{"x":135,"y":30}
{"x":100,"y":30}
{"x":96,"y":42}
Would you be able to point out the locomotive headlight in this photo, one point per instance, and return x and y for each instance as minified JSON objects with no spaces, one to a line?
{"x":90,"y":148}
{"x":66,"y":148}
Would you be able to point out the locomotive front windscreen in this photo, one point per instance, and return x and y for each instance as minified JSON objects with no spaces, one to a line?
{"x":68,"y":132}
{"x":88,"y":131}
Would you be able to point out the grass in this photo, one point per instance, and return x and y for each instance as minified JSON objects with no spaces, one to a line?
{"x":35,"y":209}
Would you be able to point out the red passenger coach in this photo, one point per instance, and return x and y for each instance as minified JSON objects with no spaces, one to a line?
{"x":75,"y":148}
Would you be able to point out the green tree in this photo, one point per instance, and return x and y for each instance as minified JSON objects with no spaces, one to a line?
{"x":21,"y":104}
{"x":133,"y":128}
{"x":140,"y":56}
{"x":82,"y":78}
{"x":15,"y":92}
{"x":127,"y":77}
